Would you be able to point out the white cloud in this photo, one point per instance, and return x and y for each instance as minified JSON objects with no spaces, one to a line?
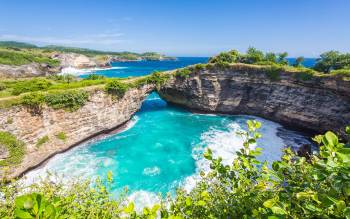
{"x":92,"y":39}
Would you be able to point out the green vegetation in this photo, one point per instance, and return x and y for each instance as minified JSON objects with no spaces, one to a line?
{"x":42,"y":141}
{"x":36,"y":84}
{"x":18,"y":53}
{"x":70,"y":100}
{"x":62,"y":136}
{"x":315,"y":186}
{"x":10,"y":56}
{"x":94,"y":77}
{"x":34,"y":101}
{"x":9,"y":120}
{"x":332,"y":60}
{"x":273,"y":72}
{"x":252,"y":56}
{"x":15,"y":44}
{"x":14,"y":147}
{"x":116,"y":88}
{"x":183,"y":72}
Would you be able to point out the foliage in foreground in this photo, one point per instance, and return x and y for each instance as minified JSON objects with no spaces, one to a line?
{"x":14,"y":147}
{"x":295,"y":187}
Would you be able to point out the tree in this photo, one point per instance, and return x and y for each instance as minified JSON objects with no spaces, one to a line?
{"x":253,"y":56}
{"x":298,"y":61}
{"x":282,"y":58}
{"x":271,"y":57}
{"x":327,"y":61}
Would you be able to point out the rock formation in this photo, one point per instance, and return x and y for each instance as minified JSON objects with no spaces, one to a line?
{"x":100,"y":114}
{"x":315,"y":104}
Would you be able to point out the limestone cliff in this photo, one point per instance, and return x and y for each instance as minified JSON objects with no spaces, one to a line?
{"x":75,"y":60}
{"x":101,"y":113}
{"x":28,"y":70}
{"x":316,"y":104}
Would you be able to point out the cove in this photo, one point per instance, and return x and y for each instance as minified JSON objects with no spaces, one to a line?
{"x":161,"y":149}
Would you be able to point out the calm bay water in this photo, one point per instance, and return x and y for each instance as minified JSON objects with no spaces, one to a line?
{"x":162,"y":146}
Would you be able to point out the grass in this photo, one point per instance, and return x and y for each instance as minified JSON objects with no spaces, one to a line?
{"x":42,"y":141}
{"x":14,"y":147}
{"x":61,"y":136}
{"x":25,"y":56}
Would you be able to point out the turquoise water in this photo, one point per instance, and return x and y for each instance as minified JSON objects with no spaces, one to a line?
{"x":161,"y":149}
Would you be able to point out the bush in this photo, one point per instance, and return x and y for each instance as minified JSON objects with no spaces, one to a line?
{"x":70,"y":100}
{"x":116,"y":88}
{"x":62,"y":136}
{"x":183,"y":73}
{"x":306,"y":75}
{"x":94,"y":77}
{"x":42,"y":141}
{"x":2,"y":86}
{"x":24,"y":86}
{"x":273,"y":72}
{"x":332,"y":60}
{"x":343,"y":72}
{"x":11,"y":57}
{"x":33,"y":101}
{"x":14,"y":147}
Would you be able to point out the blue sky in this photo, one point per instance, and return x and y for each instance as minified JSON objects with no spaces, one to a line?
{"x":181,"y":27}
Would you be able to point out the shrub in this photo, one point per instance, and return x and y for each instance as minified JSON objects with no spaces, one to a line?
{"x":9,"y":120}
{"x":343,"y":72}
{"x":94,"y":77}
{"x":70,"y":100}
{"x":2,"y":86}
{"x":183,"y":73}
{"x":62,"y":136}
{"x":306,"y":75}
{"x":116,"y":88}
{"x":33,"y":101}
{"x":36,"y":84}
{"x":332,"y":60}
{"x":42,"y":141}
{"x":273,"y":72}
{"x":14,"y":147}
{"x":11,"y":57}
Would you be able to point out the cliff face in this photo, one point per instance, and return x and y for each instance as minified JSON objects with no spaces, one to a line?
{"x":67,"y":60}
{"x":29,"y":70}
{"x":317,"y":104}
{"x":75,"y":60}
{"x":100,"y":114}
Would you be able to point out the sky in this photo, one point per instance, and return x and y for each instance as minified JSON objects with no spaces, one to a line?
{"x":181,"y":27}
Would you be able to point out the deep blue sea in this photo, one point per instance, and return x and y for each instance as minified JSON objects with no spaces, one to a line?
{"x":161,"y":147}
{"x":140,"y":68}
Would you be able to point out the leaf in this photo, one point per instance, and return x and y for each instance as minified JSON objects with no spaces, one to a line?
{"x":269,"y":203}
{"x":347,"y":130}
{"x":188,"y":201}
{"x":273,"y":217}
{"x":130,"y":208}
{"x":201,"y":203}
{"x":347,"y":213}
{"x":330,"y":139}
{"x":22,"y":214}
{"x":278,"y":210}
{"x":28,"y":204}
{"x":155,"y":208}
